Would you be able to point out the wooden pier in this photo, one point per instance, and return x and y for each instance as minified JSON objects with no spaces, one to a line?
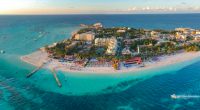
{"x":34,"y":71}
{"x":56,"y":77}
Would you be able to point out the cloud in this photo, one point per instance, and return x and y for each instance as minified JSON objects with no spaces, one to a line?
{"x":134,"y":9}
{"x":153,"y":9}
{"x":147,"y":8}
{"x":183,"y":3}
{"x":160,"y":9}
{"x":196,"y":8}
{"x":171,"y":8}
{"x":191,"y":8}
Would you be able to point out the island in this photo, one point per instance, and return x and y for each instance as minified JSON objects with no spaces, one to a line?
{"x":97,"y":49}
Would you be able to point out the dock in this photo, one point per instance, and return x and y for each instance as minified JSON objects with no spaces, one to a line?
{"x":38,"y":68}
{"x":56,"y":77}
{"x":35,"y":70}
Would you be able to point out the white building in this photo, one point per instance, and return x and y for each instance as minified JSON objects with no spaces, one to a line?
{"x":197,"y":37}
{"x":85,"y":36}
{"x":55,"y":43}
{"x":126,"y":51}
{"x":121,"y":30}
{"x":112,"y":47}
{"x":101,"y":41}
{"x":197,"y":32}
{"x":147,"y":34}
{"x":155,"y":34}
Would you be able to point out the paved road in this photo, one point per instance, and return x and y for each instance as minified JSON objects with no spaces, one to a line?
{"x":120,"y":48}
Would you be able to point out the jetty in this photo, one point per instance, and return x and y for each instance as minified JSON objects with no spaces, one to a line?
{"x":35,"y":70}
{"x":56,"y":77}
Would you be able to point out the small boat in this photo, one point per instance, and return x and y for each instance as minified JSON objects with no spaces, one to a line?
{"x":41,"y":35}
{"x":26,"y":36}
{"x":4,"y":33}
{"x":174,"y":96}
{"x":4,"y":36}
{"x":2,"y":51}
{"x":35,"y":39}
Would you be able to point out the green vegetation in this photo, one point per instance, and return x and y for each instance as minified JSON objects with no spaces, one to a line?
{"x":192,"y":47}
{"x":84,"y":30}
{"x":173,"y":32}
{"x":167,"y":48}
{"x":109,"y":32}
{"x":142,"y":42}
{"x":63,"y":49}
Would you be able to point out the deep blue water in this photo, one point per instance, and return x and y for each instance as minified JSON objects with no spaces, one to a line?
{"x":145,"y":90}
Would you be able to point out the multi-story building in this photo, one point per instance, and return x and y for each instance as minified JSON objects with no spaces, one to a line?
{"x":197,"y":37}
{"x":112,"y":47}
{"x":155,"y":34}
{"x":102,"y":41}
{"x":89,"y":36}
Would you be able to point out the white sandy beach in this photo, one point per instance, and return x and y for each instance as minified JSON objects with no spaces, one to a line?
{"x":37,"y":58}
{"x":40,"y":57}
{"x":74,"y":32}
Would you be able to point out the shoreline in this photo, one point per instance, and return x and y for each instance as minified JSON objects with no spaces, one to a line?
{"x":26,"y":57}
{"x":37,"y":58}
{"x":74,"y":32}
{"x":158,"y":64}
{"x":54,"y":64}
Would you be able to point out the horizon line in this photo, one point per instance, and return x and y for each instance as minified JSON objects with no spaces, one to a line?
{"x":105,"y":14}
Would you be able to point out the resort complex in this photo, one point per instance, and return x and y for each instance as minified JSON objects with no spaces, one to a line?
{"x":98,"y":49}
{"x":88,"y":36}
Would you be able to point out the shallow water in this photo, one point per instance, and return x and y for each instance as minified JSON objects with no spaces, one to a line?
{"x":146,"y":89}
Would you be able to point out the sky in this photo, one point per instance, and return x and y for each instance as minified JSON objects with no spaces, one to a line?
{"x":38,"y":7}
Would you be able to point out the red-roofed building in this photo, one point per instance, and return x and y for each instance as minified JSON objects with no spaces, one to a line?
{"x":133,"y":61}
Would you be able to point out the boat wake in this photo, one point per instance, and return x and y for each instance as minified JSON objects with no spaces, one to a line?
{"x":188,"y":96}
{"x":184,"y":96}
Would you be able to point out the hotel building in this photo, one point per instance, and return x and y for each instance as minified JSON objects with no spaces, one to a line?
{"x":112,"y":47}
{"x":89,"y":36}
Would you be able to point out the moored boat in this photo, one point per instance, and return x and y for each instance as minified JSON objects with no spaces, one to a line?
{"x":41,"y":35}
{"x":2,"y":51}
{"x":35,"y":39}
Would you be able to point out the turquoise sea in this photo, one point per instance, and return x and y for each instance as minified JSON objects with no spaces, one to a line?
{"x":141,"y":90}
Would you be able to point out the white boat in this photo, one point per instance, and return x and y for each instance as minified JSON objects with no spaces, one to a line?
{"x":4,"y":33}
{"x":2,"y":51}
{"x":174,"y":96}
{"x":41,"y":35}
{"x":35,"y":39}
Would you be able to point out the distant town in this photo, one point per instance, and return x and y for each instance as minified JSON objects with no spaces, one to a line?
{"x":121,"y":47}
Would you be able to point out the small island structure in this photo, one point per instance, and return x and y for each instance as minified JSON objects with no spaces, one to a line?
{"x":97,"y":49}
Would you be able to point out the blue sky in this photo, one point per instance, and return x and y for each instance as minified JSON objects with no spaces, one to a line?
{"x":98,"y":6}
